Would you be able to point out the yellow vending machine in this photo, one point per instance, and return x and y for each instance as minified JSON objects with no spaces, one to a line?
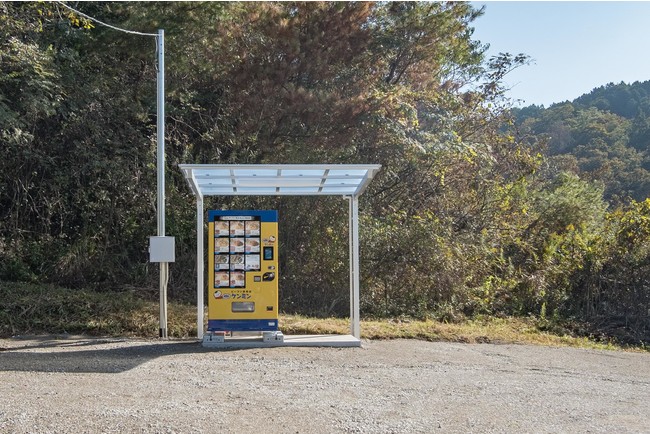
{"x":243,"y":276}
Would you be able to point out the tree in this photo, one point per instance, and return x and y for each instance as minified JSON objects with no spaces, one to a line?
{"x":467,"y":216}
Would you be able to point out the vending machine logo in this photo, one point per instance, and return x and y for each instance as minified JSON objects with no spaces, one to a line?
{"x":243,"y":295}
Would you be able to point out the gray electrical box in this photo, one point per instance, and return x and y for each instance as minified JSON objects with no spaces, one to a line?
{"x":162,"y":249}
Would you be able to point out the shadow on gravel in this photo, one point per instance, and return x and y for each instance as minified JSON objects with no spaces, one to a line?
{"x":88,"y":355}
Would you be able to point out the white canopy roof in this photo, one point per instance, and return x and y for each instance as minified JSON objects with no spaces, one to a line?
{"x":278,"y":179}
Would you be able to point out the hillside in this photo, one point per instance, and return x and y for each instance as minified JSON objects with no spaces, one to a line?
{"x":603,"y":136}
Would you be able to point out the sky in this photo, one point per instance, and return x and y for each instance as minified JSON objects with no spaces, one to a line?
{"x":575,"y":46}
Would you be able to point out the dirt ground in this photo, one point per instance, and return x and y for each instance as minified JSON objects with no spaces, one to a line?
{"x":78,"y":385}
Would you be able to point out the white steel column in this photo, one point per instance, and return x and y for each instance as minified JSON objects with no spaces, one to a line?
{"x":350,"y":255}
{"x":354,"y":249}
{"x":199,"y":268}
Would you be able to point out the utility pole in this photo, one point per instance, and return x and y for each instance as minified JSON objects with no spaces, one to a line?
{"x":160,"y":208}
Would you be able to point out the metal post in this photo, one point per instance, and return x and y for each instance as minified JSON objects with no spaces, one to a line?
{"x":199,"y":267}
{"x":160,"y":127}
{"x":350,"y":255}
{"x":356,"y":329}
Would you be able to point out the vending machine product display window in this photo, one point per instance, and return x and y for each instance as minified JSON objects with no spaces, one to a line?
{"x":243,"y":283}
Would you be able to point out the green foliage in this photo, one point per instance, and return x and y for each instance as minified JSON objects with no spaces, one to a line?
{"x":314,"y":266}
{"x":625,"y":100}
{"x":468,"y":216}
{"x":614,"y":289}
{"x":602,"y":136}
{"x":409,"y":267}
{"x":561,"y":227}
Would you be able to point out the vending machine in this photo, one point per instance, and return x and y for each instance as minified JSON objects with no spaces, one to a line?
{"x":243,"y":271}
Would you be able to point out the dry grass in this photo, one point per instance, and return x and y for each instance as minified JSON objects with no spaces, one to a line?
{"x":45,"y":309}
{"x":42,"y":309}
{"x":489,"y":330}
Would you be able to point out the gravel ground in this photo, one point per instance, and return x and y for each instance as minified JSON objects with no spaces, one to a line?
{"x":79,"y":385}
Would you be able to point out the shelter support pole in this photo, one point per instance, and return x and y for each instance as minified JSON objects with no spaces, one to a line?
{"x":355,"y":328}
{"x":199,"y":268}
{"x":350,"y":255}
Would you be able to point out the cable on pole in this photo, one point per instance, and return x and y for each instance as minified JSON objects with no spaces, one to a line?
{"x":105,"y":24}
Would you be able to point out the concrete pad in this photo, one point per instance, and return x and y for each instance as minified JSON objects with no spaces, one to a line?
{"x":336,"y":341}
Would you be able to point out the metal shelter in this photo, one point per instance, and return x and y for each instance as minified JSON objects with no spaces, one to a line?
{"x":346,"y":180}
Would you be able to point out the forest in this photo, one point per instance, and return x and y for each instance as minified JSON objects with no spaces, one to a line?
{"x":480,"y":209}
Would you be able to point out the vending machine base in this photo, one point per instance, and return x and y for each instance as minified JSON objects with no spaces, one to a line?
{"x":276,"y":336}
{"x":276,"y":339}
{"x":215,"y":338}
